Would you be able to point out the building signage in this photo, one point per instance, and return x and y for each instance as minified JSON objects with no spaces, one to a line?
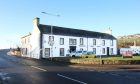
{"x":127,"y":54}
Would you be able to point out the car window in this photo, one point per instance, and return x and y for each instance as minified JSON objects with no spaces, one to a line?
{"x":84,"y":51}
{"x":79,"y":51}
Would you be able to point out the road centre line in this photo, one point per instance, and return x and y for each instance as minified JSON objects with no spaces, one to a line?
{"x":38,"y":68}
{"x":71,"y":79}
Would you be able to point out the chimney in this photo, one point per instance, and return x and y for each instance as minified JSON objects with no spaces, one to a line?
{"x":36,"y":21}
{"x":109,"y":31}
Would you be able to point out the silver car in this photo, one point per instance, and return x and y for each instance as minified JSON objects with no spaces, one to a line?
{"x":77,"y":53}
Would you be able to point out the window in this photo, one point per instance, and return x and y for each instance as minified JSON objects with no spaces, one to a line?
{"x":61,"y":51}
{"x":28,"y":39}
{"x":103,"y":42}
{"x":111,"y":51}
{"x":51,"y":38}
{"x":72,"y":41}
{"x":81,"y":49}
{"x":81,"y":41}
{"x":94,"y":41}
{"x":26,"y":50}
{"x":103,"y":50}
{"x":22,"y":42}
{"x":25,"y":41}
{"x":111,"y":42}
{"x":61,"y":41}
{"x":47,"y":52}
{"x":94,"y":50}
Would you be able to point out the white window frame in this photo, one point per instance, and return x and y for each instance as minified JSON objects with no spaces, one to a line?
{"x":103,"y":50}
{"x":81,"y":41}
{"x":62,"y":53}
{"x":72,"y":41}
{"x":103,"y":42}
{"x":111,"y":42}
{"x":47,"y":52}
{"x":94,"y":41}
{"x":51,"y":38}
{"x":81,"y":49}
{"x":61,"y":41}
{"x":94,"y":50}
{"x":112,"y":51}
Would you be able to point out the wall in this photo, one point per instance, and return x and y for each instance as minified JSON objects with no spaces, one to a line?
{"x":88,"y":45}
{"x":25,"y":46}
{"x":35,"y":40}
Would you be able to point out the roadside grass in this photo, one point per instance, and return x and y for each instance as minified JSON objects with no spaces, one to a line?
{"x":103,"y":58}
{"x":121,"y":58}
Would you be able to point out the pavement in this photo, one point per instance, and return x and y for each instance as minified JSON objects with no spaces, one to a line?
{"x":17,"y":70}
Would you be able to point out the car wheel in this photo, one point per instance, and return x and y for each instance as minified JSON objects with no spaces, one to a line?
{"x":86,"y":56}
{"x":73,"y":55}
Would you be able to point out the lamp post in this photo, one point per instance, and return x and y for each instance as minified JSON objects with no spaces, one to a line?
{"x":100,"y":43}
{"x":51,"y":42}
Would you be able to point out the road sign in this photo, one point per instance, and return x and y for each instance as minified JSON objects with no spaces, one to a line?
{"x":127,"y":54}
{"x":51,"y":43}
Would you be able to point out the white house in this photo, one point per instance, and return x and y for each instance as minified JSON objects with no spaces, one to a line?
{"x":52,"y":41}
{"x":26,"y":47}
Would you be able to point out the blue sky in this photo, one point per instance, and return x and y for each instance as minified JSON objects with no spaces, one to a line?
{"x":16,"y":16}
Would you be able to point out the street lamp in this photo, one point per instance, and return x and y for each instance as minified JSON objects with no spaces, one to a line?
{"x":100,"y":43}
{"x":51,"y":42}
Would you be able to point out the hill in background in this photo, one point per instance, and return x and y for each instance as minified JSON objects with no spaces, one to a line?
{"x":129,"y":40}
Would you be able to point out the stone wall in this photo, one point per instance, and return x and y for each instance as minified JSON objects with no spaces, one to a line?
{"x":110,"y":62}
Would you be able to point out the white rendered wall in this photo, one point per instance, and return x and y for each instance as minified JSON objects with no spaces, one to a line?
{"x":35,"y":41}
{"x":88,"y":44}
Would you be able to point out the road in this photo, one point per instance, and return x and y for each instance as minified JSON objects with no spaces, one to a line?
{"x":16,"y":70}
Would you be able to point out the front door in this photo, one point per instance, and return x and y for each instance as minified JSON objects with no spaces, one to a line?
{"x":47,"y":52}
{"x":107,"y":51}
{"x":61,"y":51}
{"x":72,"y":48}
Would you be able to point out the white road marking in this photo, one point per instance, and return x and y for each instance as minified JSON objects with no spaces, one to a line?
{"x":5,"y":78}
{"x":91,"y":70}
{"x":114,"y":74}
{"x":38,"y":68}
{"x":71,"y":79}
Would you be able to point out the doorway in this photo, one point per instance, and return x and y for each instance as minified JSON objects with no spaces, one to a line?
{"x":72,"y":48}
{"x":47,"y":52}
{"x":107,"y":51}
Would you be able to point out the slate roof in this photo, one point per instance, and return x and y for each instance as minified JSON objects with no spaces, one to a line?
{"x":46,"y":29}
{"x":26,"y":35}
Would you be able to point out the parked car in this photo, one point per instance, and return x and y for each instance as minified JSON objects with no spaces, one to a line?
{"x":89,"y":54}
{"x":77,"y":53}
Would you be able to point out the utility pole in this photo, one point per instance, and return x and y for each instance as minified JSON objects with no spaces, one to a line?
{"x":51,"y":43}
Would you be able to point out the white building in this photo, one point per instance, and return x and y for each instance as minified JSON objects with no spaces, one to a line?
{"x":52,"y":41}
